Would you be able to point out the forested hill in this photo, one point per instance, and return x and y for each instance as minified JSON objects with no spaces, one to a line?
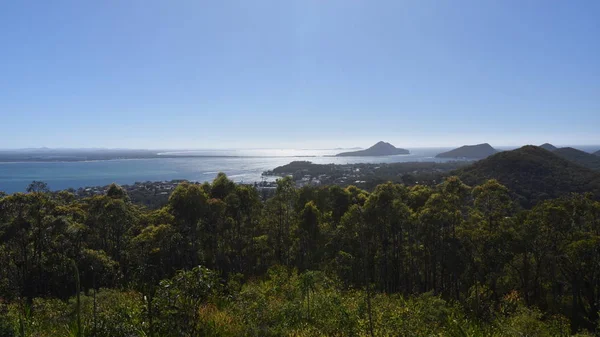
{"x":533,"y":174}
{"x":597,"y":153}
{"x":478,"y":151}
{"x":579,"y":157}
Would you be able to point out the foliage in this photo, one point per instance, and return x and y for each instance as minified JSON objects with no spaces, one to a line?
{"x":444,"y":260}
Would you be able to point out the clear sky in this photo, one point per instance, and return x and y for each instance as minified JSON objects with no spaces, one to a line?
{"x":306,"y":73}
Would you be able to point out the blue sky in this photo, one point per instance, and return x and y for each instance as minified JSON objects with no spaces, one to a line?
{"x":307,"y":73}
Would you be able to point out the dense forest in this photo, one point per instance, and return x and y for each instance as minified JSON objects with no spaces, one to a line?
{"x":444,"y":260}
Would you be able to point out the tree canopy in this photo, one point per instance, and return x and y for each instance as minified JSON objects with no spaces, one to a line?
{"x":216,"y":260}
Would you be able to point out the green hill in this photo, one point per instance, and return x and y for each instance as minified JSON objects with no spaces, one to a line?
{"x":478,"y":151}
{"x":549,"y":147}
{"x":533,"y":174}
{"x":579,"y":157}
{"x":379,"y":149}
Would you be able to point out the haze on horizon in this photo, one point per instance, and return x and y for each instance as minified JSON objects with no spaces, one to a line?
{"x":298,"y":74}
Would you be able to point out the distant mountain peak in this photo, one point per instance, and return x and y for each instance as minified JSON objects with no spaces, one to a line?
{"x":549,"y":147}
{"x":382,"y":145}
{"x":380,"y":148}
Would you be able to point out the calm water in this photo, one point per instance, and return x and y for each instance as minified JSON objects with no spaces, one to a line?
{"x":14,"y":177}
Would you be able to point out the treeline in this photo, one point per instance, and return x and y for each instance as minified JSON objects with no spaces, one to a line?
{"x":467,"y":259}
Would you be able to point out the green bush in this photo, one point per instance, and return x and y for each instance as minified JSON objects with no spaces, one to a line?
{"x":118,"y":313}
{"x":7,"y":328}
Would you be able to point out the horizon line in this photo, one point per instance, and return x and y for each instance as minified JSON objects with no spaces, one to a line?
{"x":272,"y":148}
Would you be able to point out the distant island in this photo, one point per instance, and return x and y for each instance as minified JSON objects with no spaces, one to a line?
{"x":478,"y":151}
{"x":79,"y":155}
{"x":348,"y":148}
{"x":379,"y":149}
{"x":549,"y":147}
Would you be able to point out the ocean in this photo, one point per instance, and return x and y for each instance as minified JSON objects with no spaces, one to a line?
{"x":239,"y":165}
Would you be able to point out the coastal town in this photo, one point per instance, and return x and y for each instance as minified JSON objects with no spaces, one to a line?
{"x":154,"y":194}
{"x":155,"y":188}
{"x":365,"y":175}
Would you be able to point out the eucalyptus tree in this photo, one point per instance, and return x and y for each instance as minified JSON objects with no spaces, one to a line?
{"x":388,"y":216}
{"x":189,"y":205}
{"x":279,"y":217}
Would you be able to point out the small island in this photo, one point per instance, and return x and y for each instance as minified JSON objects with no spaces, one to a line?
{"x":478,"y":151}
{"x":379,"y":149}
